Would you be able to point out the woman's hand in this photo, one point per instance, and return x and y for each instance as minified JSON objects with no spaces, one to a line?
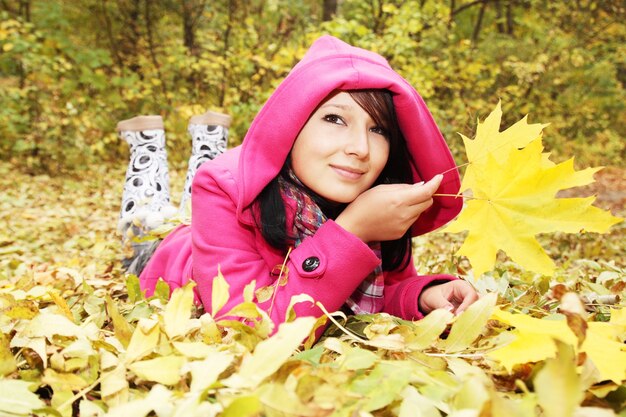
{"x":454,"y":296}
{"x":386,"y":211}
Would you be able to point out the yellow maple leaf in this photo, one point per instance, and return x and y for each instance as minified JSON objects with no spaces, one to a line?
{"x":490,"y":141}
{"x":514,"y":198}
{"x":533,"y":340}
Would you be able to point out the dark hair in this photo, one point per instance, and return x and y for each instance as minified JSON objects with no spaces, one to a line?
{"x":379,"y":105}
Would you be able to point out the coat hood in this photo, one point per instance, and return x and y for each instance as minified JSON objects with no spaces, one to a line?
{"x":331,"y":64}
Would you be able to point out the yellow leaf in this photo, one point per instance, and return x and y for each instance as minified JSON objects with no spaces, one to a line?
{"x":63,"y":381}
{"x":490,"y":141}
{"x":416,"y":404}
{"x":219,"y":294}
{"x":61,"y":304}
{"x":525,"y":348}
{"x":248,"y":291}
{"x":271,"y":353}
{"x":290,"y":315}
{"x":514,"y":199}
{"x":558,"y":379}
{"x":428,"y":330}
{"x":113,"y":381}
{"x":49,"y":325}
{"x":608,"y":356}
{"x":144,"y":340}
{"x":535,"y":340}
{"x":37,"y":344}
{"x":178,"y":311}
{"x":470,"y":324}
{"x":123,"y":329}
{"x":164,"y":369}
{"x":7,"y":361}
{"x":244,"y":406}
{"x":16,"y":398}
{"x":158,"y":398}
{"x":204,"y":373}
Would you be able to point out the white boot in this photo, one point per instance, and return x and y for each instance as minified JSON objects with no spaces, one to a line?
{"x":146,"y":196}
{"x":209,"y":138}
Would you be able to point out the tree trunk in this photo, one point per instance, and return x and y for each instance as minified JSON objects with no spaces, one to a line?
{"x":229,"y":26}
{"x":152,"y":47}
{"x":451,"y":17}
{"x":509,"y":17}
{"x":130,"y":35}
{"x":191,"y":13}
{"x":25,"y":9}
{"x":479,"y":22}
{"x":499,"y":17}
{"x":330,"y":10}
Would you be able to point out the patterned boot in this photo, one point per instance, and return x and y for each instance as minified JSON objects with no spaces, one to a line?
{"x":146,"y":196}
{"x":209,"y":136}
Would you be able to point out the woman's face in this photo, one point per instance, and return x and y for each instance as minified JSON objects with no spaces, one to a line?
{"x":340,"y":151}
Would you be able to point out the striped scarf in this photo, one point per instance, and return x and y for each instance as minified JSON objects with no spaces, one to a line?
{"x":368,"y":296}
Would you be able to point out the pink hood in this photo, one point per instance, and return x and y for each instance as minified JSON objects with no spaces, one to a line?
{"x":331,"y":64}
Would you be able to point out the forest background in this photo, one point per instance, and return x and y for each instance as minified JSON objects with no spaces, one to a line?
{"x":71,"y":69}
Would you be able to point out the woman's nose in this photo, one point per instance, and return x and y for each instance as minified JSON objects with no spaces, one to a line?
{"x":358,"y":143}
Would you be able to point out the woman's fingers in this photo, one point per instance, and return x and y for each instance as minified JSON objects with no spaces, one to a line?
{"x":422,"y":193}
{"x":416,"y":193}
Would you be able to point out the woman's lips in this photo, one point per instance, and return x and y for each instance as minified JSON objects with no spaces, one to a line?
{"x":348,"y":172}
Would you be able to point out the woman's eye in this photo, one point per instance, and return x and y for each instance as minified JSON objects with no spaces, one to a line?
{"x":333,"y":118}
{"x":379,"y":130}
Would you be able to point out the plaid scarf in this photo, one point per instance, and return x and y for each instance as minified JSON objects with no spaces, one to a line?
{"x":368,"y":296}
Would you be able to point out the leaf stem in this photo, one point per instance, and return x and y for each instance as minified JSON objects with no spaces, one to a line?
{"x":80,"y":393}
{"x":455,"y":168}
{"x":457,"y":195}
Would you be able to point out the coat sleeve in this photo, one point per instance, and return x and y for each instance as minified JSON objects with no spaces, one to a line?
{"x":328,"y":266}
{"x":403,"y":289}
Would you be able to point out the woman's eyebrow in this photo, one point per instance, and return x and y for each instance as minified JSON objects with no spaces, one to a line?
{"x":340,"y":106}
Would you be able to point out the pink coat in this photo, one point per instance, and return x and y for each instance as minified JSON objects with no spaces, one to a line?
{"x":223,"y":234}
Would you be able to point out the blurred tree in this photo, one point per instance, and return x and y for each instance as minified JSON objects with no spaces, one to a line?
{"x":69,"y":70}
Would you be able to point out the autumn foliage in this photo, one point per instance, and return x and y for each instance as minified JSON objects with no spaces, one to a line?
{"x":547,"y":337}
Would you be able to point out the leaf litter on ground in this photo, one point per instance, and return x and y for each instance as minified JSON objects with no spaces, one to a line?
{"x":78,"y":338}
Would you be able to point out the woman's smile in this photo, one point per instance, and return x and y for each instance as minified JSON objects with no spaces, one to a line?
{"x":348,"y":172}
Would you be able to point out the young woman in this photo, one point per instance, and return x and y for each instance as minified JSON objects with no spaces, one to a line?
{"x":335,"y":175}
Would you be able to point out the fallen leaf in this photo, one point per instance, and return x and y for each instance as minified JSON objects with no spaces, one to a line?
{"x":469,"y":324}
{"x":557,"y":384}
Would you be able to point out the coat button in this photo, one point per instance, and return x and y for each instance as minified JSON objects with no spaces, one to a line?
{"x":311,"y":263}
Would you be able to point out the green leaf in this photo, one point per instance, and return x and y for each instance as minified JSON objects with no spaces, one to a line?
{"x":133,"y":289}
{"x":383,"y":385}
{"x":162,"y":291}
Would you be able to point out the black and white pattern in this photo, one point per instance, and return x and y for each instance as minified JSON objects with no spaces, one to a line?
{"x":146,"y":196}
{"x":208,"y":141}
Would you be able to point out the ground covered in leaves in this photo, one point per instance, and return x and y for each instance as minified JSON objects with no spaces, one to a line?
{"x":79,"y":339}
